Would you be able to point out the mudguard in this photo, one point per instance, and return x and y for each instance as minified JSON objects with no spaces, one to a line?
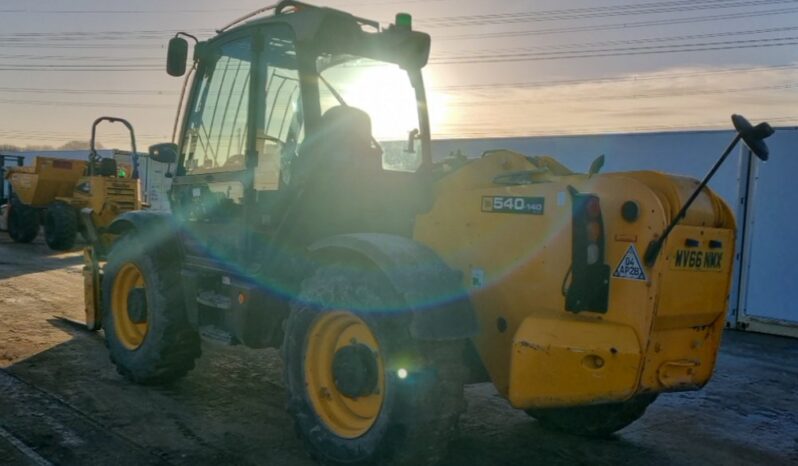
{"x":432,"y":291}
{"x":157,"y":228}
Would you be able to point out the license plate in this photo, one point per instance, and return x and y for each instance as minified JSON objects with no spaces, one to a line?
{"x":703,"y":260}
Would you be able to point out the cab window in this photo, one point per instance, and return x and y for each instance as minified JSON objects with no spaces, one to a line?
{"x":384,"y":91}
{"x":280,"y":128}
{"x":216,"y":136}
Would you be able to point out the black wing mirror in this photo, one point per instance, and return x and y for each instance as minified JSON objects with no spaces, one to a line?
{"x":164,"y":153}
{"x":753,"y":136}
{"x":177,"y":57}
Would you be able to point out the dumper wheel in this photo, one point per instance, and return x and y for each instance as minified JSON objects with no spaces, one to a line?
{"x":60,"y":226}
{"x":595,"y":420}
{"x":361,"y":390}
{"x":146,"y":330}
{"x":23,"y":222}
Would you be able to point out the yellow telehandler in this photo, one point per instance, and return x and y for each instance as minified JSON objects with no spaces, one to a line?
{"x":53,"y":191}
{"x":307,"y":214}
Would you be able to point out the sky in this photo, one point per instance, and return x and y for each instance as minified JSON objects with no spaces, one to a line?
{"x":499,"y":68}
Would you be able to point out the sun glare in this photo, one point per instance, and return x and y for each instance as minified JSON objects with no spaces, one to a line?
{"x":381,"y":90}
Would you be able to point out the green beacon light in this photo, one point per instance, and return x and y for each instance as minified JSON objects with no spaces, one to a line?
{"x":404,"y":21}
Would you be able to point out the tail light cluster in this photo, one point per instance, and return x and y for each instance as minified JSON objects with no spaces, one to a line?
{"x":590,"y":276}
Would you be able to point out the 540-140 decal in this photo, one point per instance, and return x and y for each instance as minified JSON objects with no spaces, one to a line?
{"x":513,"y":205}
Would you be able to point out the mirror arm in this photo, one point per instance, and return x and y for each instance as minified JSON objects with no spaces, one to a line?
{"x":411,"y":137}
{"x":753,"y":137}
{"x":654,"y":247}
{"x":185,"y":34}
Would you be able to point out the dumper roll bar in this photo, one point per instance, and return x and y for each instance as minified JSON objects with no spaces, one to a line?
{"x":94,"y":157}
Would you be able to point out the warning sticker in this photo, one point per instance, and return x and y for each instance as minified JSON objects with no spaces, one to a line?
{"x":630,"y":267}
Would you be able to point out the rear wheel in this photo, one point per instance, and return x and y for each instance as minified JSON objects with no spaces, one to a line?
{"x":60,"y":226}
{"x":595,"y":420}
{"x":23,"y":222}
{"x":148,"y":335}
{"x":361,"y":390}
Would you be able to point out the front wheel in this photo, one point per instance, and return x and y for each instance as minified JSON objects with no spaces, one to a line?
{"x":595,"y":420}
{"x":361,"y":390}
{"x":148,"y":335}
{"x":60,"y":226}
{"x":23,"y":221}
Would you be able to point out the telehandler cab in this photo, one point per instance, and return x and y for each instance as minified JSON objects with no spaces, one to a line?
{"x":307,"y":214}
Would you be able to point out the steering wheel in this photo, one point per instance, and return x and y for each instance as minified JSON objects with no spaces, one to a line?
{"x":237,"y":161}
{"x":272,"y":139}
{"x":234,"y":161}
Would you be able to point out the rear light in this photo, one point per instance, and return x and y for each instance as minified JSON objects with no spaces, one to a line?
{"x":589,"y":288}
{"x":594,"y":232}
{"x":593,"y":253}
{"x":593,"y":208}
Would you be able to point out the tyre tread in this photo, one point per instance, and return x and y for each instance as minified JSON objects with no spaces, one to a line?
{"x":65,"y":221}
{"x":427,"y":415}
{"x":25,"y":217}
{"x":172,"y":356}
{"x":596,"y":420}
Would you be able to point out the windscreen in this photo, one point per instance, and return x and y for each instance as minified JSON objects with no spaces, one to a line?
{"x":385,"y":92}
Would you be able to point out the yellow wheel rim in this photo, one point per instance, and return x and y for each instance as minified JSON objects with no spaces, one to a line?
{"x":345,"y":416}
{"x":128,"y":332}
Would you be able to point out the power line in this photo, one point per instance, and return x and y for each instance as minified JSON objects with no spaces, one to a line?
{"x":563,"y":15}
{"x":624,"y":25}
{"x":123,"y":12}
{"x":667,"y":93}
{"x":535,"y":130}
{"x":39,"y":90}
{"x":472,"y":59}
{"x":92,"y":68}
{"x":50,"y":103}
{"x":94,"y":35}
{"x":450,"y":88}
{"x":680,"y":6}
{"x":34,"y":132}
{"x":612,"y":79}
{"x":85,"y":58}
{"x":97,"y":11}
{"x":56,"y":45}
{"x":628,"y":51}
{"x":583,"y":45}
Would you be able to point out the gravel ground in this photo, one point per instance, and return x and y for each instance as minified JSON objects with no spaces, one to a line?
{"x":63,"y":403}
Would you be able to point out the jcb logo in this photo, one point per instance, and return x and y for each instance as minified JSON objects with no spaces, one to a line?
{"x":698,"y":260}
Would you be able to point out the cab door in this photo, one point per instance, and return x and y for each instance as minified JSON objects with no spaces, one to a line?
{"x":209,"y":191}
{"x":242,"y":126}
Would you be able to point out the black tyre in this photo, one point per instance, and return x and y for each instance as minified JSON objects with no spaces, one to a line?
{"x":595,"y":420}
{"x":360,"y":390}
{"x":23,"y":222}
{"x":60,"y":226}
{"x":146,"y":330}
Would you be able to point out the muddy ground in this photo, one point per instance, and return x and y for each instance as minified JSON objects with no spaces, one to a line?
{"x":62,"y":402}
